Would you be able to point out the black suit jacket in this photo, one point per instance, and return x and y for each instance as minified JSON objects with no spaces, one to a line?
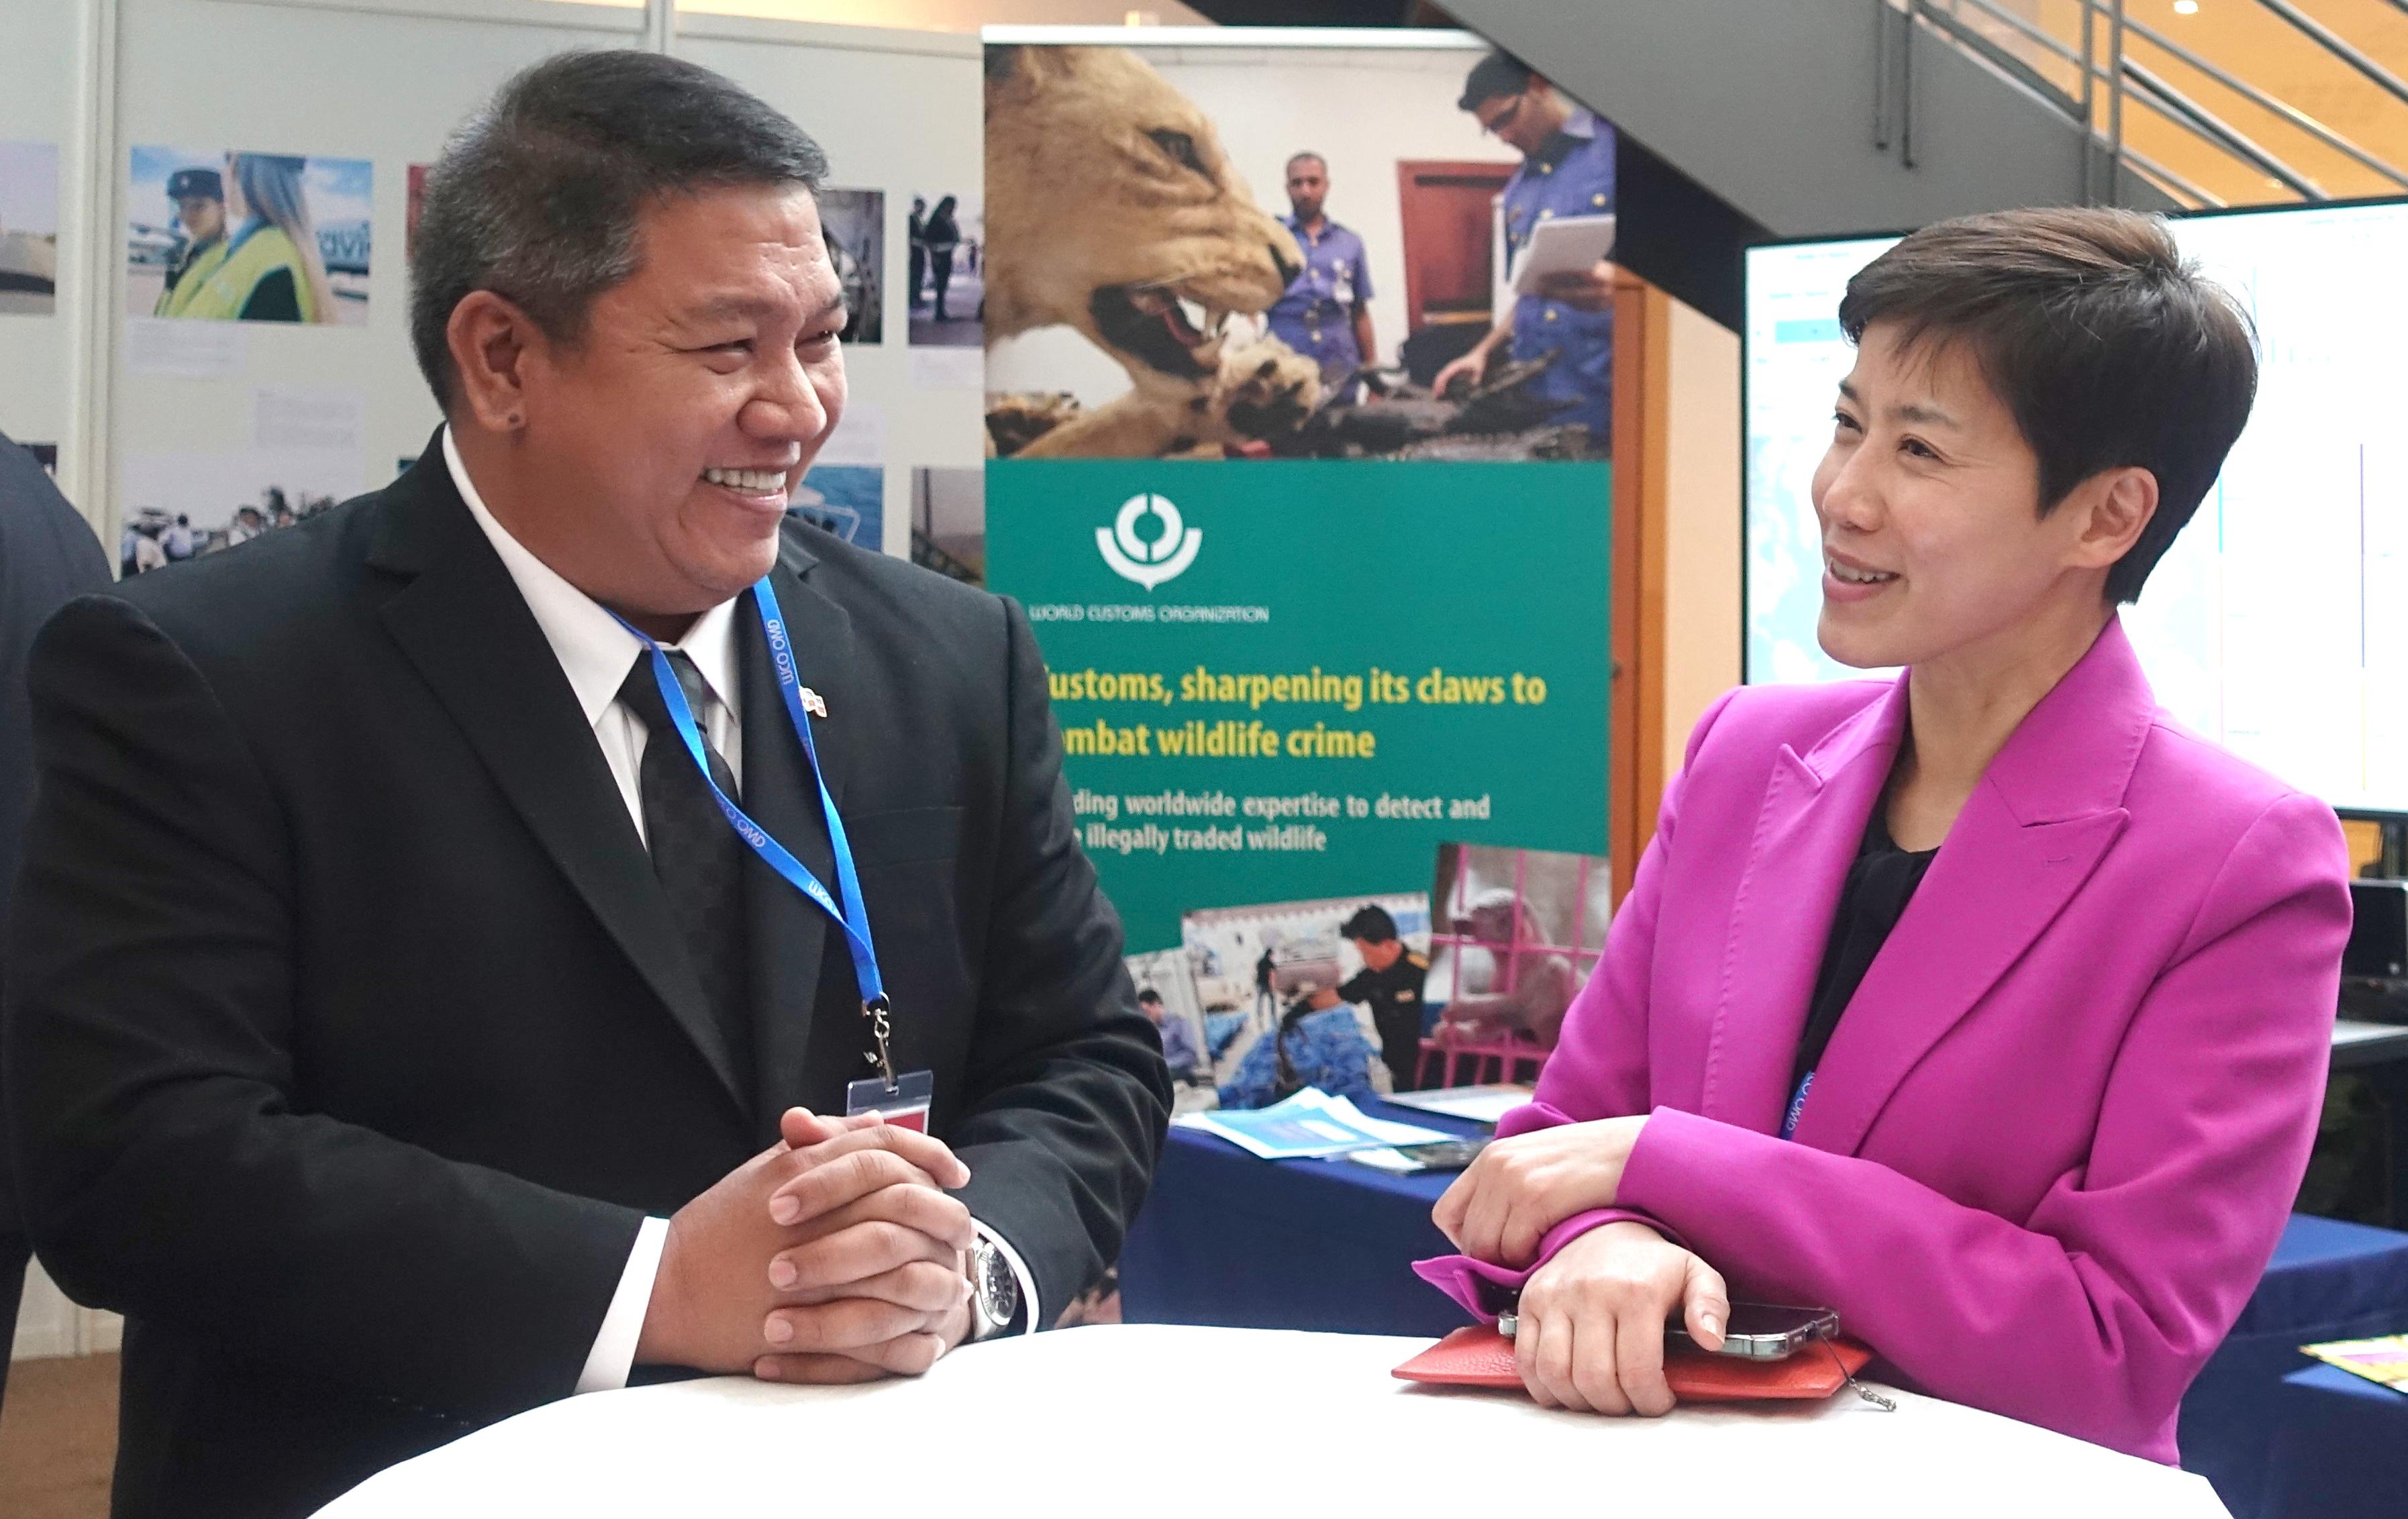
{"x":352,"y":1040}
{"x":47,"y":557}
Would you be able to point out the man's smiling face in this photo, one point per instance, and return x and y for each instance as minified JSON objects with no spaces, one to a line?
{"x":677,"y":423}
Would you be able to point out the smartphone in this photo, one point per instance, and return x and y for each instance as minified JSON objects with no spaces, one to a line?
{"x":1765,"y":1331}
{"x":1412,"y":1159}
{"x":1444,"y":1155}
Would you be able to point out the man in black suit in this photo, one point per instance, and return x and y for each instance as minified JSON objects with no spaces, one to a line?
{"x":404,"y":1036}
{"x":47,"y":557}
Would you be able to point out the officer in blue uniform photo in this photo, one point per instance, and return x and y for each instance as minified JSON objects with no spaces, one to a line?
{"x":1567,"y":169}
{"x":1326,"y":313}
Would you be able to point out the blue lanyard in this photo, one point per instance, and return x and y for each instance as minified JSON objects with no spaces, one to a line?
{"x":853,"y":915}
{"x":1797,"y":1107}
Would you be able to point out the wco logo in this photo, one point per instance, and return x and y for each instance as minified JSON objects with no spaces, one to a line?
{"x":1149,"y":563}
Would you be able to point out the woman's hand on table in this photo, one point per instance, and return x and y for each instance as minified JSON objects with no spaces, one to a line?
{"x":1591,"y":1330}
{"x":1517,"y":1189}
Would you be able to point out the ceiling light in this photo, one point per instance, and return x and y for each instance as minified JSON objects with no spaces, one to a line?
{"x":2185,"y":7}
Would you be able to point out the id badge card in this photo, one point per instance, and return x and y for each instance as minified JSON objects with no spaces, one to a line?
{"x":905,"y":1104}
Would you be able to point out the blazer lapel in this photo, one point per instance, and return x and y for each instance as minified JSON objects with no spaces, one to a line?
{"x":2046,"y":812}
{"x":1807,"y":832}
{"x":461,"y":621}
{"x":789,"y":934}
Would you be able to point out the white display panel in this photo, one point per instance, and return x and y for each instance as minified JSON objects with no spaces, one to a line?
{"x":2275,"y":625}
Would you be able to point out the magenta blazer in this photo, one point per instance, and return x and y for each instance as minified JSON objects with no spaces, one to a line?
{"x":2053,"y":1143}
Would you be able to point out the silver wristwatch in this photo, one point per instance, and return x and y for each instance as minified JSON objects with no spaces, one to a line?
{"x":994,"y":1292}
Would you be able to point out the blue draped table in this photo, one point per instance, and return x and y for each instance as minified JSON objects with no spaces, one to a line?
{"x":1290,"y":1244}
{"x":1324,"y":1244}
{"x":2328,"y":1280}
{"x":2341,"y":1448}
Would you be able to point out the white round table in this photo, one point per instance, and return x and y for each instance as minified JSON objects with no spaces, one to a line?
{"x":1155,"y":1420}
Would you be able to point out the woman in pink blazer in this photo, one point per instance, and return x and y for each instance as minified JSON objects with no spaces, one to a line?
{"x":1985,"y":1006}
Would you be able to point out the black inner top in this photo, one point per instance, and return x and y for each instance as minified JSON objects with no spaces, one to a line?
{"x":1881,"y":881}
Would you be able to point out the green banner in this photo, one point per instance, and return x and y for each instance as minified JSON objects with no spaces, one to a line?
{"x":1286,"y":679}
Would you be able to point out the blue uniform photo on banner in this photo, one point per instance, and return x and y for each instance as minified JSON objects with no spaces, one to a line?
{"x":1287,"y":681}
{"x":1305,"y":480}
{"x":1571,"y":175}
{"x":1555,"y":329}
{"x":1402,"y":303}
{"x":1326,"y":315}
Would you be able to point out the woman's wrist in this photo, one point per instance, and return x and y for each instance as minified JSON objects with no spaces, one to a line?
{"x":1521,"y":1189}
{"x":1616,"y":1138}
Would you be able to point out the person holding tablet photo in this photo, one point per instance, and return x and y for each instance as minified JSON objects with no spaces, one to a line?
{"x":1983,"y":1006}
{"x":1567,"y":170}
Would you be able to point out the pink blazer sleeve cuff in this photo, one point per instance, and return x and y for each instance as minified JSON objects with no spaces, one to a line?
{"x":1461,"y":1276}
{"x":1529,"y":1116}
{"x":1684,"y":1156}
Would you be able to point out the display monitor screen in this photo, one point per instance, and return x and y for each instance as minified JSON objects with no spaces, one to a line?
{"x":2277,"y":625}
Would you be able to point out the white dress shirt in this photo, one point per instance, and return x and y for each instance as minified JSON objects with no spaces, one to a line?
{"x":596,"y":653}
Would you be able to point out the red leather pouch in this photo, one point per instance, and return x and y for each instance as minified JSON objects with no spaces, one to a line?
{"x":1476,"y":1356}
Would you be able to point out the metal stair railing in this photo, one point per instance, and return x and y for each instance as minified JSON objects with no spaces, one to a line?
{"x":2173,"y":104}
{"x":2290,"y":114}
{"x":2181,"y":189}
{"x":2028,"y":55}
{"x":2081,"y":108}
{"x":1950,"y":23}
{"x":2340,"y":46}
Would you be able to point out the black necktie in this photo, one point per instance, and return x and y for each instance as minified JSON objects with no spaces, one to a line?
{"x":695,"y":853}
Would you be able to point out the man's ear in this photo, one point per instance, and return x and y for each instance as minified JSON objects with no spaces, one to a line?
{"x":2119,"y":503}
{"x":492,"y":341}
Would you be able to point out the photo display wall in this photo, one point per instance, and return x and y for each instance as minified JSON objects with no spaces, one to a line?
{"x":1303,"y":477}
{"x":1307,"y":503}
{"x":258,"y":250}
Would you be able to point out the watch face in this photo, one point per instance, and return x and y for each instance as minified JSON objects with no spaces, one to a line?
{"x":999,"y":1290}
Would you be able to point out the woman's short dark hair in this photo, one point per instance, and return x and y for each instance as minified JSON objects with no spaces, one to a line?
{"x":2107,"y":346}
{"x":536,"y":198}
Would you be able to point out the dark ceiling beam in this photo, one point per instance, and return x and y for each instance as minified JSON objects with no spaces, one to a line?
{"x":1312,"y":12}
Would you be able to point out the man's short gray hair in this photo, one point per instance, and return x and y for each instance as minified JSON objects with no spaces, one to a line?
{"x":536,"y":198}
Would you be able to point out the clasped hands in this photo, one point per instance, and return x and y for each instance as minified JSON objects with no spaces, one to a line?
{"x":834,"y":1256}
{"x":1591,"y":1330}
